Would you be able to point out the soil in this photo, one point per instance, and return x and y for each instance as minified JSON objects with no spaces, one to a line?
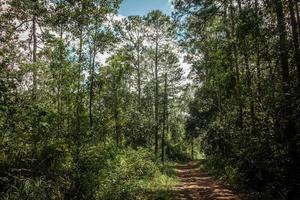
{"x":198,"y":185}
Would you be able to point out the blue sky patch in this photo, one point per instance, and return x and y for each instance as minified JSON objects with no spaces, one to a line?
{"x":142,"y":7}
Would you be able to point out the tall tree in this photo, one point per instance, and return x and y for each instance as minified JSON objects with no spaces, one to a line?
{"x":158,"y":24}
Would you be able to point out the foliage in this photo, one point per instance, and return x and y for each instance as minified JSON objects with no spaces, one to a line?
{"x":131,"y":175}
{"x":75,"y":125}
{"x":246,"y":106}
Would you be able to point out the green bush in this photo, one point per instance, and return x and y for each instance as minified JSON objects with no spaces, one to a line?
{"x":106,"y":172}
{"x":177,"y":152}
{"x":120,"y":178}
{"x":221,"y":168}
{"x":132,"y":174}
{"x":37,"y":177}
{"x":37,"y":189}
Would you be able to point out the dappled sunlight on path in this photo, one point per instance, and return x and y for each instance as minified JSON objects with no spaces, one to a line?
{"x":196,"y":185}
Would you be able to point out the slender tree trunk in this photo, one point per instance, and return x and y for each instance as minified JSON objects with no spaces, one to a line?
{"x":59,"y":84}
{"x":258,"y":71}
{"x":257,"y":46}
{"x":298,"y":18}
{"x":164,"y":119}
{"x":192,"y":147}
{"x":292,"y":132}
{"x":34,"y":56}
{"x":90,"y":86}
{"x":291,"y":5}
{"x":283,"y":47}
{"x":287,"y":125}
{"x":35,"y":121}
{"x":116,"y":112}
{"x":139,"y":73}
{"x":69,"y":114}
{"x":78,"y":106}
{"x":77,"y":139}
{"x":139,"y":83}
{"x":156,"y":96}
{"x":249,"y":90}
{"x":91,"y":92}
{"x":237,"y":70}
{"x":258,"y":74}
{"x":167,"y":130}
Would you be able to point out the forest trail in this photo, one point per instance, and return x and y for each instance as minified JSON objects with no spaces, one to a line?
{"x":197,"y":185}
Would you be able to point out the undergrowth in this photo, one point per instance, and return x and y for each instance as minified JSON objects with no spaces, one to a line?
{"x":106,"y":173}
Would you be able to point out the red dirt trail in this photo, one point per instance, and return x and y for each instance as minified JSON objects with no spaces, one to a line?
{"x":197,"y":185}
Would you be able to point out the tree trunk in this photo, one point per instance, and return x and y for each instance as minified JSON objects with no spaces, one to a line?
{"x":283,"y":47}
{"x":291,"y":6}
{"x":59,"y":84}
{"x":77,"y":139}
{"x":116,"y":114}
{"x":249,"y":91}
{"x":34,"y":57}
{"x":139,"y":73}
{"x":156,"y":96}
{"x":287,"y":125}
{"x":240,"y":119}
{"x":298,"y":18}
{"x":257,"y":46}
{"x":91,"y":92}
{"x":164,"y":119}
{"x":192,"y":147}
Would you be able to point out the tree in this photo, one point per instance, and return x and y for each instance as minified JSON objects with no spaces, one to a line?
{"x":117,"y":90}
{"x":243,"y":106}
{"x":158,"y":24}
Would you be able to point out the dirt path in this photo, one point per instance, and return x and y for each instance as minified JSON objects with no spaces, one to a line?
{"x":198,"y":185}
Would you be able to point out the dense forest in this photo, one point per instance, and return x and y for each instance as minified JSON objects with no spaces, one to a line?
{"x":94,"y":105}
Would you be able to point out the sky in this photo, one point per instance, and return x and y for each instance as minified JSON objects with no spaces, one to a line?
{"x":142,"y":7}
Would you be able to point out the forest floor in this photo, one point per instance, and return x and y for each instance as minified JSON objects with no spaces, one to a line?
{"x":198,"y":185}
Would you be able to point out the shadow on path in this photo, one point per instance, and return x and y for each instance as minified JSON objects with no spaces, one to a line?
{"x":198,"y":185}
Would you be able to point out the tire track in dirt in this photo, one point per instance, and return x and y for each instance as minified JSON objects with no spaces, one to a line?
{"x":197,"y":185}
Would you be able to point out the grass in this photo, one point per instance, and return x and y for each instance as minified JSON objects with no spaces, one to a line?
{"x":161,"y":187}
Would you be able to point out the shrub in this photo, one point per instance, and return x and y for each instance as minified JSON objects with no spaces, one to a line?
{"x":120,"y":178}
{"x":37,"y":189}
{"x":132,"y":174}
